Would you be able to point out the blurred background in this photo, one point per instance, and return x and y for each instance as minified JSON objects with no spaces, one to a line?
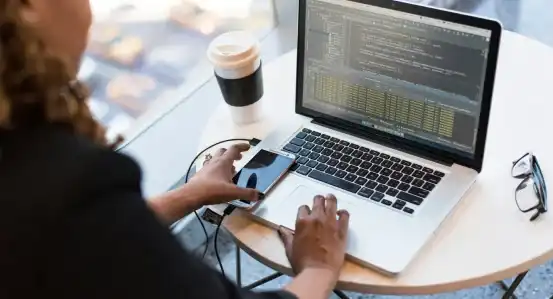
{"x":142,"y":52}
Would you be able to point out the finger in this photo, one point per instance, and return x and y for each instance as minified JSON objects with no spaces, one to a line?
{"x":235,"y":151}
{"x":287,"y":238}
{"x":303,"y":212}
{"x":232,"y":192}
{"x":343,"y":223}
{"x":219,"y":152}
{"x":318,"y":205}
{"x":331,"y":205}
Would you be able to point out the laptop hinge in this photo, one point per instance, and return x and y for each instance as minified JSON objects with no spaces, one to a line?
{"x":381,"y":139}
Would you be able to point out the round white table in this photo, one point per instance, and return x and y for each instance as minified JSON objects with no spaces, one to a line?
{"x":486,"y":239}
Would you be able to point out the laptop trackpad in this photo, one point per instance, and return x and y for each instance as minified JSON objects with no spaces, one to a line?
{"x":302,"y":195}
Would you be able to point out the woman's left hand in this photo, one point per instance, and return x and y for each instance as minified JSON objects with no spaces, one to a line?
{"x":213,"y":183}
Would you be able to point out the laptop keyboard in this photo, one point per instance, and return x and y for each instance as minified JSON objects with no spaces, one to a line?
{"x":368,"y":173}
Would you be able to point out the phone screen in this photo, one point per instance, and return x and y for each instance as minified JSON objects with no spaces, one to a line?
{"x":263,"y":170}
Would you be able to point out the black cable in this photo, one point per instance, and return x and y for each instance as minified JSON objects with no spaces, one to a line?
{"x":205,"y":234}
{"x":215,"y":245}
{"x":186,"y":177}
{"x":228,"y":210}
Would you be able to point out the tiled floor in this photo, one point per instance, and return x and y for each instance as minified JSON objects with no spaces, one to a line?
{"x":533,"y":18}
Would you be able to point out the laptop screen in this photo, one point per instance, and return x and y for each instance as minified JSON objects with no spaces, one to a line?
{"x":415,"y":77}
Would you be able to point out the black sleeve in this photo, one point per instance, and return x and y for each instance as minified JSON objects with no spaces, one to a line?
{"x":112,"y":246}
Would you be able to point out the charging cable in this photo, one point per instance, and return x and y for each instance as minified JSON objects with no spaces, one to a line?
{"x":228,"y":210}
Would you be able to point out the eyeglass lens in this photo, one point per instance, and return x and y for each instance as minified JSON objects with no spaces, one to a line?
{"x":527,"y":195}
{"x":523,"y":166}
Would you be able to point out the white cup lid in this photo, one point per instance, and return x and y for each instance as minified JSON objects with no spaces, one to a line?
{"x":232,"y":48}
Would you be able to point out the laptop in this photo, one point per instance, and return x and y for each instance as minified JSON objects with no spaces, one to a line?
{"x":394,"y":100}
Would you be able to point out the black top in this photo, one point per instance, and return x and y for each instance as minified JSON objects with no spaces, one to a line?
{"x":74,"y":224}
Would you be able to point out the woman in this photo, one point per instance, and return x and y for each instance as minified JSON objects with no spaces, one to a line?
{"x":73,"y":220}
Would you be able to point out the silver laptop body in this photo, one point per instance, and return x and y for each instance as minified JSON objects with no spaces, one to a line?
{"x":396,"y":96}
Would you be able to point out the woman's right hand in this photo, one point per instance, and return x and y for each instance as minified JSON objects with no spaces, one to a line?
{"x":319,"y":241}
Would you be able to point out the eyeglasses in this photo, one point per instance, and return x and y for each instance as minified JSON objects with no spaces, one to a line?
{"x":531,"y":193}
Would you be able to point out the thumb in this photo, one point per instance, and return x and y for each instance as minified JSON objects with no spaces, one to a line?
{"x":287,"y":238}
{"x":234,"y":192}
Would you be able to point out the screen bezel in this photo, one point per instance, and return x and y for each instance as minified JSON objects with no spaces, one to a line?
{"x":475,"y":162}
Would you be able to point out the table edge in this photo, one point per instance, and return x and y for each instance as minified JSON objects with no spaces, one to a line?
{"x":427,"y":289}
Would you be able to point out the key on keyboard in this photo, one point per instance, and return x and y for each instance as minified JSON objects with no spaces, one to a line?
{"x":321,"y":167}
{"x":292,"y":148}
{"x":334,"y":181}
{"x":371,"y":184}
{"x":312,"y":163}
{"x":301,"y":135}
{"x":432,"y":179}
{"x":377,"y":196}
{"x":387,"y":202}
{"x":366,"y":192}
{"x":331,"y":170}
{"x":298,"y":142}
{"x":303,"y":170}
{"x":409,"y":198}
{"x":302,"y":160}
{"x":329,"y":144}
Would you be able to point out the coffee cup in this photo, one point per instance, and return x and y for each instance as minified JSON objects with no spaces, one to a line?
{"x":237,"y":66}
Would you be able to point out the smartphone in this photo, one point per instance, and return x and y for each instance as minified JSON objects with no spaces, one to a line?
{"x":262,"y":172}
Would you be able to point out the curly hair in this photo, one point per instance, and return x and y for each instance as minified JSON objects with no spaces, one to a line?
{"x":37,"y":87}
